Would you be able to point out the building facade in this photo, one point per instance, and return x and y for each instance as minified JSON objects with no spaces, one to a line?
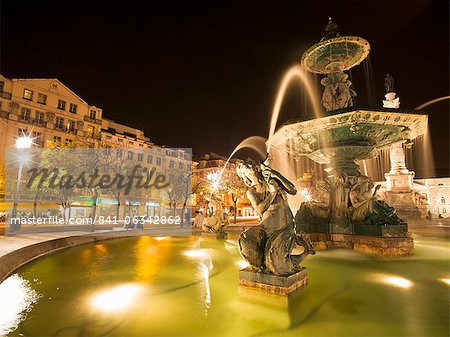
{"x":50,"y":112}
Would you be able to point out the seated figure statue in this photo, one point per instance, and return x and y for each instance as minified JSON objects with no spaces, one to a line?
{"x":215,"y":221}
{"x":366,"y":209}
{"x":268,"y":246}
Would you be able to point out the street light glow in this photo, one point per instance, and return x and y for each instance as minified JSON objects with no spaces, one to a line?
{"x":24,"y":142}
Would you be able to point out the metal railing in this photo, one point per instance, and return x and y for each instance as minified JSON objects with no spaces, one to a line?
{"x":5,"y":94}
{"x":92,"y":120}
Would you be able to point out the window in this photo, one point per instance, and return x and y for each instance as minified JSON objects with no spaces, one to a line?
{"x":25,"y":114}
{"x":130,"y":155}
{"x":442,"y":200}
{"x":57,"y":139}
{"x":93,"y":115}
{"x":69,"y":141}
{"x":73,"y":108}
{"x":158,"y":161}
{"x":42,"y":98}
{"x":140,"y":156}
{"x":172,"y":164}
{"x":119,"y":153}
{"x":2,"y":86}
{"x":39,"y":117}
{"x":61,"y":104}
{"x":90,"y":131}
{"x":37,"y":138}
{"x":180,"y":166}
{"x":149,"y":159}
{"x":21,"y":132}
{"x":27,"y":94}
{"x":71,"y":126}
{"x":59,"y":123}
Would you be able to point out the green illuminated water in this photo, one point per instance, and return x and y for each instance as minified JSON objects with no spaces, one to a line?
{"x":189,"y":287}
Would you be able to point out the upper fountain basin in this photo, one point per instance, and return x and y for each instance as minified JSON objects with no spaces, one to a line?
{"x":355,"y":134}
{"x":335,"y":55}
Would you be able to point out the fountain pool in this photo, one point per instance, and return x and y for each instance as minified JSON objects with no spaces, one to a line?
{"x":188,"y":286}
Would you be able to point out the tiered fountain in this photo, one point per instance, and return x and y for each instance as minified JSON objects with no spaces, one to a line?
{"x":349,"y":215}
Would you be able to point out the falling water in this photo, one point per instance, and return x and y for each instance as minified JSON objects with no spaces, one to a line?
{"x":256,"y":143}
{"x":424,"y":105}
{"x":302,"y":75}
{"x":419,"y":158}
{"x":367,"y":65}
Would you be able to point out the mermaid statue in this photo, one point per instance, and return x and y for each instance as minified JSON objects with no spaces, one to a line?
{"x":268,"y":246}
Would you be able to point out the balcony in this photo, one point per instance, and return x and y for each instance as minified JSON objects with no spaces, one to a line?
{"x":5,"y":94}
{"x":92,"y":120}
{"x":4,"y":114}
{"x":38,"y":122}
{"x":65,"y":129}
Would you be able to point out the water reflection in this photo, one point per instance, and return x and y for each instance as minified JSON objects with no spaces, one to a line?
{"x":17,"y":298}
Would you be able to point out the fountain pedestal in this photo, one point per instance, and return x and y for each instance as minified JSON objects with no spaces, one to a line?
{"x":275,"y":284}
{"x":399,"y":184}
{"x":217,"y":235}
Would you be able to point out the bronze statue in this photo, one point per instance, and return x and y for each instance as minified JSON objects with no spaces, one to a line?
{"x":389,"y":83}
{"x":215,"y":221}
{"x":337,"y":93}
{"x":268,"y":246}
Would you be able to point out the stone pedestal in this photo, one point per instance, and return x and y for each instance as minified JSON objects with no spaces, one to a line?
{"x":399,"y":184}
{"x":280,"y":285}
{"x":391,"y":101}
{"x":218,"y":235}
{"x":385,"y":246}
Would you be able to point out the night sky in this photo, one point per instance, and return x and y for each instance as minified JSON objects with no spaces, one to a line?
{"x":205,"y":75}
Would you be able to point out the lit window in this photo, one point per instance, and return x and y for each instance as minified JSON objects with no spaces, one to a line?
{"x":42,"y":98}
{"x":27,"y":94}
{"x":90,"y":131}
{"x":71,"y":126}
{"x":61,"y":104}
{"x":73,"y":108}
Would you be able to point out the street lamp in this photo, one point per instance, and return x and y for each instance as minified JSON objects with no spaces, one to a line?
{"x":22,"y":143}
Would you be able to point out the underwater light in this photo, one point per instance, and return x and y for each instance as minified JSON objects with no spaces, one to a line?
{"x":117,"y":298}
{"x":398,"y":282}
{"x":196,"y":253}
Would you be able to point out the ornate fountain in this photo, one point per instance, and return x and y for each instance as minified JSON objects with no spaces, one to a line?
{"x":349,"y":215}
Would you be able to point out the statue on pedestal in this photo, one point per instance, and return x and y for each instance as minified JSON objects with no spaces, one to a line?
{"x":268,"y":246}
{"x":391,"y":101}
{"x":215,"y":221}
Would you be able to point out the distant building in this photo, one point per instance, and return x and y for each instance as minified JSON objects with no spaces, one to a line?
{"x":49,"y":111}
{"x":213,"y":163}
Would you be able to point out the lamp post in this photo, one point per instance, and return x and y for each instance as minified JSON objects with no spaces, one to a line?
{"x":22,"y":143}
